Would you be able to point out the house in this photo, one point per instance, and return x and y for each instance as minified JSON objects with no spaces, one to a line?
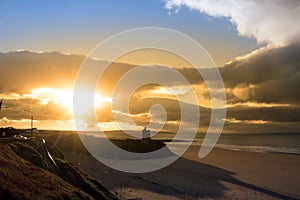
{"x":8,"y":131}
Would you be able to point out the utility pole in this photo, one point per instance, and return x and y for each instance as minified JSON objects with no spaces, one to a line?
{"x":31,"y":125}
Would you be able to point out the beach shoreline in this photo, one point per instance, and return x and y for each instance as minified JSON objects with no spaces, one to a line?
{"x":277,"y":172}
{"x":222,"y":174}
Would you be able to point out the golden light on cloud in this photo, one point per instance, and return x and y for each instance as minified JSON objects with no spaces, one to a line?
{"x":260,"y":105}
{"x":243,"y":91}
{"x":234,"y":120}
{"x":153,"y":56}
{"x":46,"y":95}
{"x":51,"y":108}
{"x":176,"y":90}
{"x":172,"y":93}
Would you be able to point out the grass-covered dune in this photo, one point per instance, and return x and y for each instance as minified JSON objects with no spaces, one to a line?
{"x":25,"y":173}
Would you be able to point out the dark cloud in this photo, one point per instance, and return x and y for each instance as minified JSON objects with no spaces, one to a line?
{"x":274,"y":127}
{"x":274,"y":73}
{"x":269,"y":75}
{"x":274,"y":114}
{"x":173,"y":110}
{"x":273,"y":64}
{"x":23,"y":71}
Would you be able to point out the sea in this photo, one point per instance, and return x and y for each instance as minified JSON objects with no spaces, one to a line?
{"x":284,"y":143}
{"x":264,"y":142}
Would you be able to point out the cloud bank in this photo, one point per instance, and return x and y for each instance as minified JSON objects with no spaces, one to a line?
{"x":269,"y":76}
{"x":262,"y":90}
{"x":272,"y":21}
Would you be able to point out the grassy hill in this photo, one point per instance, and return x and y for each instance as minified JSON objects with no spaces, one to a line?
{"x":25,"y":173}
{"x":70,"y":142}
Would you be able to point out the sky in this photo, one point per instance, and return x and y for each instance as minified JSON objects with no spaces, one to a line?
{"x":43,"y":44}
{"x":78,"y":26}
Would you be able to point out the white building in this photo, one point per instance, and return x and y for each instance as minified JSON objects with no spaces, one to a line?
{"x":146,"y":133}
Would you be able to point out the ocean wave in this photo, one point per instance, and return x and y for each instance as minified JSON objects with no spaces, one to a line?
{"x":262,"y":149}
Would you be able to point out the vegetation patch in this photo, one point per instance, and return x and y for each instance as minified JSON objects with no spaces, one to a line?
{"x":27,"y":150}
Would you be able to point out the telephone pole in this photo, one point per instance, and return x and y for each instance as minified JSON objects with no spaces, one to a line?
{"x":31,"y":125}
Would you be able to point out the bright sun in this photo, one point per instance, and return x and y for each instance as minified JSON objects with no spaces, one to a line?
{"x":64,"y":97}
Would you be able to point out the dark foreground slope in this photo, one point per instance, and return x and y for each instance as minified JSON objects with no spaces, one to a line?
{"x":25,"y":173}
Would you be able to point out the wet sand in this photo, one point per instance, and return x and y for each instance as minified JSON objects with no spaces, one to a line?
{"x":223,"y":174}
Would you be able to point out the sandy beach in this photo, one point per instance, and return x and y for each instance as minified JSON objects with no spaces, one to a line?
{"x":223,"y":174}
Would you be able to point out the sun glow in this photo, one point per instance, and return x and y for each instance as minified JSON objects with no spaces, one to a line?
{"x":48,"y":95}
{"x":64,"y":98}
